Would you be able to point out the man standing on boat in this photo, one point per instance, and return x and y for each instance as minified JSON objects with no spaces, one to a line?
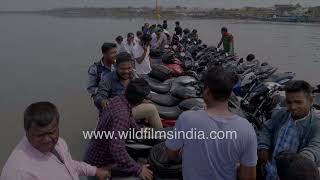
{"x":118,"y":41}
{"x":146,"y":29}
{"x":177,"y":23}
{"x":104,"y":66}
{"x":128,"y":44}
{"x":162,"y":39}
{"x":215,"y":158}
{"x":227,"y":41}
{"x":177,"y":37}
{"x":141,"y":54}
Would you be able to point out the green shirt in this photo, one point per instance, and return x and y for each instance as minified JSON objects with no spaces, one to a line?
{"x":227,"y":39}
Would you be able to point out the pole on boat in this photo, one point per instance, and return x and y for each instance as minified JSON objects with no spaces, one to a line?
{"x":157,"y":11}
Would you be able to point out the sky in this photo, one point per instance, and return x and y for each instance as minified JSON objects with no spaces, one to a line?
{"x":49,"y":4}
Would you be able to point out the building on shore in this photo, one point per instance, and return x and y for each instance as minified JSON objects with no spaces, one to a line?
{"x":315,"y":11}
{"x":314,"y":14}
{"x":289,"y":10}
{"x":290,"y":13}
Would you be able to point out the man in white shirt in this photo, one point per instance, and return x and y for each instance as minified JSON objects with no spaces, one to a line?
{"x":128,"y":44}
{"x":153,"y":40}
{"x":119,"y":40}
{"x":141,"y":55}
{"x":138,"y":37}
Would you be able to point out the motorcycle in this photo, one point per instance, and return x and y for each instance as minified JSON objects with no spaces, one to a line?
{"x":261,"y":101}
{"x":250,"y":80}
{"x":316,"y":93}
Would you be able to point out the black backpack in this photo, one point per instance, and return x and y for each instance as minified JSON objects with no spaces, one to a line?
{"x":161,"y":166}
{"x":160,"y":72}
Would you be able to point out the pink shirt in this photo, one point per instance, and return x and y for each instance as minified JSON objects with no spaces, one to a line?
{"x":27,"y":163}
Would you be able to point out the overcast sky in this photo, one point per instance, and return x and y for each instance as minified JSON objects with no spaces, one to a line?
{"x":48,"y":4}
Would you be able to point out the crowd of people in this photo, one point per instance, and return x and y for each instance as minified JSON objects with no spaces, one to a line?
{"x":286,"y":148}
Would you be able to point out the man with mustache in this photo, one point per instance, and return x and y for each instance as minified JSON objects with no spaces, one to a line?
{"x":42,"y":154}
{"x":295,"y":129}
{"x":115,"y":83}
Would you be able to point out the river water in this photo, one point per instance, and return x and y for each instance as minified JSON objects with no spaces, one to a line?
{"x":46,"y":59}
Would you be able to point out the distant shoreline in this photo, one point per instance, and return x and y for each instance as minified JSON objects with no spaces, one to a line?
{"x":248,"y":13}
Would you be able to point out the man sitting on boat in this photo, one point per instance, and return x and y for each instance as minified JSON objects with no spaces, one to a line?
{"x":118,"y":117}
{"x":115,"y":84}
{"x":42,"y":154}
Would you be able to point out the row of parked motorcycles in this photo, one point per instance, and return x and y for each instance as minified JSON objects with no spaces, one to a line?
{"x":177,"y":82}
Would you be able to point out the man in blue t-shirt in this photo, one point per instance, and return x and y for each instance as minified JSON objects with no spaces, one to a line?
{"x":222,"y":139}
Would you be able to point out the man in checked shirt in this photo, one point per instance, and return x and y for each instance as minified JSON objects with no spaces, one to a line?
{"x":117,"y":117}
